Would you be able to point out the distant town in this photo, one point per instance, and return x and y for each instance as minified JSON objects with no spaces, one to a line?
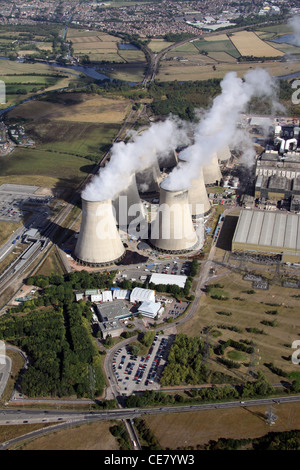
{"x":142,"y":19}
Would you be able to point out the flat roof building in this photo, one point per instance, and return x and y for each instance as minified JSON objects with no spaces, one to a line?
{"x":270,"y":233}
{"x":168,"y":279}
{"x":110,"y":311}
{"x":149,"y":309}
{"x":111,"y":328}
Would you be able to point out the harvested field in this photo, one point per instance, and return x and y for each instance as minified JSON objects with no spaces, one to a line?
{"x":249,"y":44}
{"x":157,"y":45}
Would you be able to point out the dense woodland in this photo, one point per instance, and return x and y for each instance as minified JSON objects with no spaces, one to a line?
{"x":55,"y":334}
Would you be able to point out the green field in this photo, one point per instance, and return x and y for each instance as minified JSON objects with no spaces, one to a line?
{"x":43,"y":168}
{"x":217,"y":46}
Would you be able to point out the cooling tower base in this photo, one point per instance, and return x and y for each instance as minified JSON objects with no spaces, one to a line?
{"x":99,"y":265}
{"x":174,"y":252}
{"x":196,"y":216}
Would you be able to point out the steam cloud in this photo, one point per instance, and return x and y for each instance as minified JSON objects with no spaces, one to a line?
{"x":135,"y":156}
{"x":295,"y":24}
{"x":218,"y":126}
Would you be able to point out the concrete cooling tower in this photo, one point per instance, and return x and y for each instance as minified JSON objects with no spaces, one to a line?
{"x":224,"y":154}
{"x":168,"y":161}
{"x":211,"y":172}
{"x":197,"y":194}
{"x":148,"y":180}
{"x":99,"y":242}
{"x":128,"y":206}
{"x":172,"y":230}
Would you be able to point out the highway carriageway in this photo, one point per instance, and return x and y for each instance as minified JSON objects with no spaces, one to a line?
{"x":10,"y":416}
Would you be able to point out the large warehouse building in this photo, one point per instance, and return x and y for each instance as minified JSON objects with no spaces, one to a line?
{"x":268,"y":233}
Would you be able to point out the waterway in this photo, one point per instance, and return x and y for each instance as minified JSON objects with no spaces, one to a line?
{"x":287,"y":39}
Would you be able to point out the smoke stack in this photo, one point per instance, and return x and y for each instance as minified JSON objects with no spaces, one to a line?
{"x":197,"y":194}
{"x":224,"y":154}
{"x":211,"y":172}
{"x":172,"y":230}
{"x":99,"y":242}
{"x":149,"y":179}
{"x":128,"y":206}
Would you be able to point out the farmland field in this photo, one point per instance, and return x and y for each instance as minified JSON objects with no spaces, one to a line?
{"x":217,"y":46}
{"x":157,"y":45}
{"x":185,"y":72}
{"x":24,"y":80}
{"x":249,"y":44}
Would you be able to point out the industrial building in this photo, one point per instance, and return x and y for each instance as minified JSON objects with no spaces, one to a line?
{"x":111,"y":328}
{"x":168,"y":279}
{"x":275,"y":234}
{"x":138,"y":294}
{"x":278,"y":167}
{"x":149,"y":309}
{"x":112,"y":311}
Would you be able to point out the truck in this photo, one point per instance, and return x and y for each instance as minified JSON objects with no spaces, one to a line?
{"x":149,"y":265}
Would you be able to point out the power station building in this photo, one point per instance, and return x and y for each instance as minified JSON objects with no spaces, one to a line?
{"x":278,"y":167}
{"x":272,"y":234}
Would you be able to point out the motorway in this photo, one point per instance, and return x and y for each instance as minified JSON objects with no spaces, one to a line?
{"x":67,"y":418}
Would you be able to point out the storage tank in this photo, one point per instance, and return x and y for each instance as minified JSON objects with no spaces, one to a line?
{"x":99,"y":242}
{"x":128,"y":207}
{"x":211,"y":172}
{"x":172,"y":230}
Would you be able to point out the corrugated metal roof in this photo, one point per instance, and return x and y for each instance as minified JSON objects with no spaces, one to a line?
{"x":277,"y":229}
{"x":168,"y":279}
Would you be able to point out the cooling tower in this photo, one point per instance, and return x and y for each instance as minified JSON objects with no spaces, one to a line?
{"x":197,"y":194}
{"x":128,"y":206}
{"x":172,"y":230}
{"x":148,"y":180}
{"x":224,"y":154}
{"x":211,"y":172}
{"x":168,"y":161}
{"x":99,"y":242}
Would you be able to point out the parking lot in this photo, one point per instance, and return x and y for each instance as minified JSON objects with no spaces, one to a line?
{"x":134,"y":373}
{"x":140,"y":272}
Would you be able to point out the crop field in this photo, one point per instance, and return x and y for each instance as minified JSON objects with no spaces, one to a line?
{"x":249,"y":44}
{"x":98,"y":46}
{"x":217,"y":46}
{"x":23,"y":80}
{"x":170,"y":71}
{"x":178,"y":430}
{"x":43,"y":168}
{"x":157,"y":45}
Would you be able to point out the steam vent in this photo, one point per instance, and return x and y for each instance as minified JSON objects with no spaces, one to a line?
{"x":99,"y":242}
{"x":172,"y":230}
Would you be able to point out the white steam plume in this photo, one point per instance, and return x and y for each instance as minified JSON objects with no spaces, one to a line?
{"x":295,"y":24}
{"x":218,"y":126}
{"x":137,"y":155}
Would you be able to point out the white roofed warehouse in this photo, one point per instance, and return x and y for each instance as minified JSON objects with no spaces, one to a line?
{"x":268,"y":233}
{"x":138,"y":294}
{"x":149,"y":309}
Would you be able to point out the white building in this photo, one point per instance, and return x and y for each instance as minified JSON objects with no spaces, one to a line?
{"x":121,"y":294}
{"x":139,"y":294}
{"x":107,"y":296}
{"x":166,"y":279}
{"x":149,"y":309}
